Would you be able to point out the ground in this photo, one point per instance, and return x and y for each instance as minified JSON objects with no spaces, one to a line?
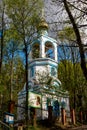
{"x":82,"y":127}
{"x":47,"y":125}
{"x":55,"y":127}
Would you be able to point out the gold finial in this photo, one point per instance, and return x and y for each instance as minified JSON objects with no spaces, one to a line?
{"x":43,"y":16}
{"x":43,"y":23}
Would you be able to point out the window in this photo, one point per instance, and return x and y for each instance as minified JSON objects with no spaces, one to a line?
{"x":35,"y":50}
{"x":49,"y":50}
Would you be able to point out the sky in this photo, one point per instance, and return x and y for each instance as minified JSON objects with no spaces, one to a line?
{"x":54,"y":13}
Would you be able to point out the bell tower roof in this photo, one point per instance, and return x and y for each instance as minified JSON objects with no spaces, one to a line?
{"x":42,"y":24}
{"x":42,"y":27}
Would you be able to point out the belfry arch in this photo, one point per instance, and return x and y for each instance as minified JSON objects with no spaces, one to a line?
{"x":49,"y":50}
{"x":35,"y":50}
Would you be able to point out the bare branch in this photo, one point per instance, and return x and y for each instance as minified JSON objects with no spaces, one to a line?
{"x":77,"y":8}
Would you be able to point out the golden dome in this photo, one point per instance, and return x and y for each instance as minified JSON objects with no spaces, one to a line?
{"x":42,"y":24}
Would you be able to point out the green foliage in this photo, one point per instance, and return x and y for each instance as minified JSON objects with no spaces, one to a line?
{"x":18,"y":80}
{"x":21,"y":19}
{"x":12,"y":33}
{"x":67,"y":34}
{"x":23,"y":15}
{"x":73,"y":80}
{"x":2,"y":88}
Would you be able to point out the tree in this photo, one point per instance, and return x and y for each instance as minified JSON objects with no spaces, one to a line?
{"x":2,"y":27}
{"x":73,"y":81}
{"x":78,"y":38}
{"x":24,"y":15}
{"x":12,"y":76}
{"x":71,"y":76}
{"x":70,"y":72}
{"x":10,"y":55}
{"x":76,"y":13}
{"x":67,"y":35}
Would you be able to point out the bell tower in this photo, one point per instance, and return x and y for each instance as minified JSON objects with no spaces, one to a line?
{"x":43,"y":54}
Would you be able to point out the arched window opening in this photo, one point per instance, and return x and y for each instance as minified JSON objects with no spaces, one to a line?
{"x":35,"y":50}
{"x":49,"y":50}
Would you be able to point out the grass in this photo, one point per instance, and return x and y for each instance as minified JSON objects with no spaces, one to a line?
{"x":37,"y":128}
{"x":47,"y":126}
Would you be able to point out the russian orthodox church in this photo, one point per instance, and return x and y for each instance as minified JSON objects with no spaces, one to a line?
{"x":43,"y":79}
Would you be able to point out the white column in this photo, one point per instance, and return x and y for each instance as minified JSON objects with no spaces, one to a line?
{"x":42,"y":48}
{"x":55,"y":53}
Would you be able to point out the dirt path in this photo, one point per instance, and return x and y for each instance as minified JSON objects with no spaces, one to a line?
{"x":83,"y":127}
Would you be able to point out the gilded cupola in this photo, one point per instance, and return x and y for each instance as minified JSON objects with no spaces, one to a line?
{"x":42,"y":24}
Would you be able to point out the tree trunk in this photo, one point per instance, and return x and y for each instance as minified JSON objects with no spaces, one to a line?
{"x":78,"y":38}
{"x":26,"y":73}
{"x":2,"y":40}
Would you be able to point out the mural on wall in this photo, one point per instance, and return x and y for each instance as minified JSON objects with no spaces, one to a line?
{"x":34,"y":100}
